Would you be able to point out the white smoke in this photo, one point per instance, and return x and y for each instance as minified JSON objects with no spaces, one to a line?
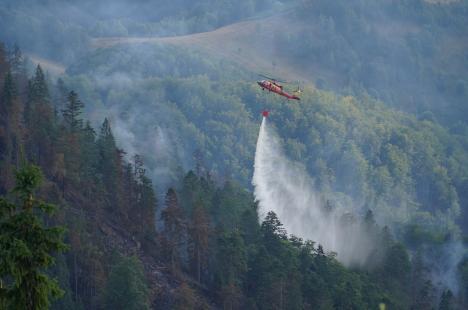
{"x":285,"y":187}
{"x":162,"y":154}
{"x":443,"y":263}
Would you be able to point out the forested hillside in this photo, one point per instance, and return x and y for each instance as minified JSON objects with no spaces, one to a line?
{"x":409,"y":54}
{"x":211,"y":251}
{"x":147,"y":151}
{"x":74,"y":23}
{"x":84,"y":174}
{"x":338,"y":138}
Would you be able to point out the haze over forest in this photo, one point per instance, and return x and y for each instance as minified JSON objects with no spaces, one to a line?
{"x":143,"y":119}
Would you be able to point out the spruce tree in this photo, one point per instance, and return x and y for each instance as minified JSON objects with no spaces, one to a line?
{"x":4,"y":65}
{"x":9,"y":132}
{"x":199,"y":237}
{"x":232,"y":258}
{"x":9,"y":89}
{"x":272,"y":227}
{"x":72,"y":112}
{"x":173,"y":227}
{"x":447,"y":301}
{"x":89,"y":154}
{"x":17,"y":61}
{"x":147,"y":204}
{"x":26,"y":246}
{"x":126,"y":286}
{"x":108,"y":160}
{"x":39,"y":91}
{"x":73,"y":137}
{"x":39,"y":117}
{"x":191,"y":191}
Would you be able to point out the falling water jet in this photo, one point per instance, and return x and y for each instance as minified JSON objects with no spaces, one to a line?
{"x":283,"y":186}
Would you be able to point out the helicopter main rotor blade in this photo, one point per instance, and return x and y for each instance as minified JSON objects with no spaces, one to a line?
{"x":271,"y":78}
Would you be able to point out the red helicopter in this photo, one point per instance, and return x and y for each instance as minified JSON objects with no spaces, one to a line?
{"x":274,"y":85}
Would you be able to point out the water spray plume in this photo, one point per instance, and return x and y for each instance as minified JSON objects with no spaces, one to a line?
{"x":285,"y":187}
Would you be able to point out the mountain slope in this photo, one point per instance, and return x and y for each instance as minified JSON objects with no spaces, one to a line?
{"x":248,"y":43}
{"x":409,"y":55}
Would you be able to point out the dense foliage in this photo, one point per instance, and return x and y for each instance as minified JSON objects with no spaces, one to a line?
{"x":85,"y":174}
{"x":247,"y":266}
{"x":26,"y":247}
{"x":174,"y":110}
{"x":411,"y":172}
{"x":410,"y":54}
{"x":354,"y":146}
{"x":211,"y":243}
{"x":126,"y":287}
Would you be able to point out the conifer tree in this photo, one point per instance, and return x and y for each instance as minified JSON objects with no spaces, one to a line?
{"x":4,"y":65}
{"x":9,"y":89}
{"x":108,"y":160}
{"x":10,"y":134}
{"x":142,"y":195}
{"x":190,"y":191}
{"x":72,"y":112}
{"x":232,"y":258}
{"x":17,"y":61}
{"x":61,"y":94}
{"x":147,"y":204}
{"x":39,"y":118}
{"x":173,"y":227}
{"x":39,"y":91}
{"x":272,"y":227}
{"x":199,"y":237}
{"x":89,"y":154}
{"x":446,"y":301}
{"x":73,"y":137}
{"x":126,"y":286}
{"x":419,"y":275}
{"x":26,"y":247}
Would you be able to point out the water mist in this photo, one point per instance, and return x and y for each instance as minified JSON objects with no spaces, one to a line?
{"x":285,"y":187}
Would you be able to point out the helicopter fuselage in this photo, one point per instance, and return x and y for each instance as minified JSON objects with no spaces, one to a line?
{"x":276,"y":88}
